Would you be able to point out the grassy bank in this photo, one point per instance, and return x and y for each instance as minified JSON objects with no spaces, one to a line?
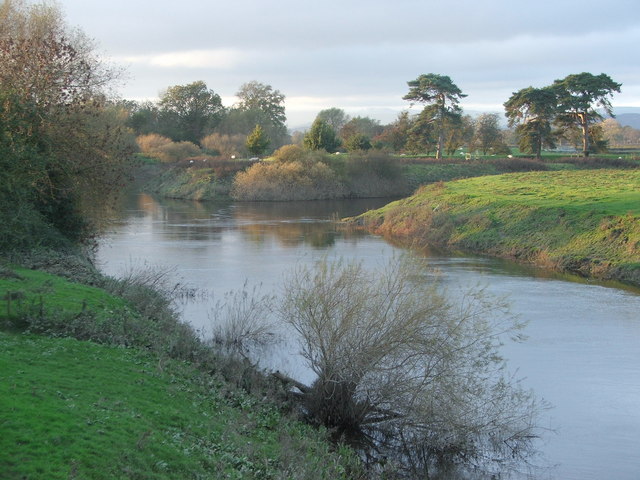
{"x":145,"y":399}
{"x":75,"y":409}
{"x":317,"y":176}
{"x":579,"y":221}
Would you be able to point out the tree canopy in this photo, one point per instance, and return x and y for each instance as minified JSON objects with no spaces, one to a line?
{"x":321,"y":137}
{"x":578,"y":96}
{"x":335,"y":117}
{"x":531,"y":111}
{"x":488,"y":136}
{"x":257,"y":141}
{"x":189,"y":112}
{"x":441,"y":98}
{"x":65,"y":147}
{"x":260,"y":104}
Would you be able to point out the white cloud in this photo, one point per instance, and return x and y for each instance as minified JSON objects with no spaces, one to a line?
{"x":217,"y":59}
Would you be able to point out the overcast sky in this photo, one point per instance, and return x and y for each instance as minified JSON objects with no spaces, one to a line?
{"x":358,"y":55}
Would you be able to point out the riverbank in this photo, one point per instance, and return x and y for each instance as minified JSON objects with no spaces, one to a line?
{"x":102,"y":381}
{"x":188,"y":182}
{"x":585,"y":222}
{"x":317,"y":176}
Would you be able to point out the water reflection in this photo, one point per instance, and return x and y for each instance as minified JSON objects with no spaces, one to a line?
{"x":289,"y":224}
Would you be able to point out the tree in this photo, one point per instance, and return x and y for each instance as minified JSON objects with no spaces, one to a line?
{"x":257,"y":141}
{"x":357,"y":142}
{"x":531,"y":111}
{"x":360,"y":126}
{"x":612,"y":131}
{"x":142,"y":118}
{"x":396,"y":134}
{"x":422,"y":134}
{"x":488,"y":136}
{"x":261,"y":105}
{"x":578,"y":95}
{"x":441,"y":97}
{"x":61,"y":129}
{"x":335,"y":117}
{"x":459,"y":131}
{"x":321,"y":137}
{"x":398,"y":363}
{"x":617,"y":135}
{"x":189,"y":112}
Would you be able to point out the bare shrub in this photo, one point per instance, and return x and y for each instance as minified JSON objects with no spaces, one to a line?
{"x":399,"y":363}
{"x":225,"y":145}
{"x":177,"y":151}
{"x":287,"y":181}
{"x":165,"y":150}
{"x":242,"y":320}
{"x":150,"y":144}
{"x":289,"y":153}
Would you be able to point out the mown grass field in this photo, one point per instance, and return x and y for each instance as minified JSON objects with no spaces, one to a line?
{"x":580,"y":221}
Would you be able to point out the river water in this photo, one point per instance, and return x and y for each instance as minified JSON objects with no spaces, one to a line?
{"x":582,"y":353}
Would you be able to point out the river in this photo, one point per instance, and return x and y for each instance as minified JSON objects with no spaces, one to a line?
{"x":582,"y":353}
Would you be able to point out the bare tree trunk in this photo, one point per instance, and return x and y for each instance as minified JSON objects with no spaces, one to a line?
{"x":440,"y":140}
{"x":585,"y":134}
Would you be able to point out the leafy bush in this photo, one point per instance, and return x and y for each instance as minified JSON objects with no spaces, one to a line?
{"x":376,"y":162}
{"x":505,"y":165}
{"x":600,"y":162}
{"x":375,"y":174}
{"x":228,"y":168}
{"x":62,"y":143}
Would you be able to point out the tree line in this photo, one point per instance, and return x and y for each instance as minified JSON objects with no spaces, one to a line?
{"x":192,"y":112}
{"x":570,"y":110}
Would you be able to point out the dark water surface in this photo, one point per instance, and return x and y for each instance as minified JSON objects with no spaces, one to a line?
{"x":582,"y":354}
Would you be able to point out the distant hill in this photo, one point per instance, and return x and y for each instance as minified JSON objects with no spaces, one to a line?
{"x":629,"y":120}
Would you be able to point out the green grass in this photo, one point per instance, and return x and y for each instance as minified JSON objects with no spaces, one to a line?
{"x":580,"y":221}
{"x":77,"y":409}
{"x":610,"y":192}
{"x":72,"y":409}
{"x":23,"y":290}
